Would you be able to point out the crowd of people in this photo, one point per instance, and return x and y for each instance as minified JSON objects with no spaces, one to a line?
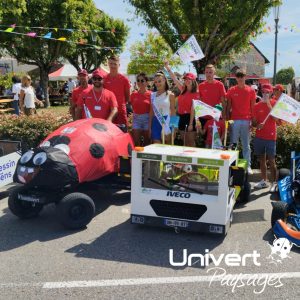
{"x":109,"y":96}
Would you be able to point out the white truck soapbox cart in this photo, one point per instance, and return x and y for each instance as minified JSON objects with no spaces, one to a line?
{"x":186,"y":188}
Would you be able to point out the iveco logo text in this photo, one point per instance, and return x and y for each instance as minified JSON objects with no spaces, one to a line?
{"x":178,"y":194}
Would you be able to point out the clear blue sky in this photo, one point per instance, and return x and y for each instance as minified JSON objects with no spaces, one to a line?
{"x":288,"y":41}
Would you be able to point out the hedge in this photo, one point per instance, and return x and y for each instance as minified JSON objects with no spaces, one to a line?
{"x":32,"y":130}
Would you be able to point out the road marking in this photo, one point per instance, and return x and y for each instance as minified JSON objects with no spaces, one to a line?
{"x":138,"y":281}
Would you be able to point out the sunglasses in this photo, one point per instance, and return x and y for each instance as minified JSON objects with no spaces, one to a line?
{"x":141,"y":80}
{"x":157,"y":81}
{"x":97,"y":78}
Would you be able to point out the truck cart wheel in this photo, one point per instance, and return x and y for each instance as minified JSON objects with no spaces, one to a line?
{"x":20,"y":208}
{"x":279,"y":211}
{"x":75,"y":210}
{"x":283,"y":173}
{"x":245,"y":193}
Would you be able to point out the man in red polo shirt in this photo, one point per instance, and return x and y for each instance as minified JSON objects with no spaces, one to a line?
{"x":100,"y":102}
{"x":240,"y":102}
{"x":76,"y":94}
{"x":120,"y":86}
{"x":265,"y":137}
{"x":212,"y":92}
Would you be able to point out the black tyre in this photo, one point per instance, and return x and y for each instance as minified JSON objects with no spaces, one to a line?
{"x":245,"y":193}
{"x":20,"y":208}
{"x":280,"y":211}
{"x":283,"y":173}
{"x":75,"y":210}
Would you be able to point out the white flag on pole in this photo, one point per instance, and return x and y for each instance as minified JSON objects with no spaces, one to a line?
{"x":203,"y":109}
{"x":287,"y":109}
{"x":190,"y":51}
{"x":216,"y":142}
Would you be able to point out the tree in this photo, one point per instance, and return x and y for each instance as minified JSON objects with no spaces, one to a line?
{"x":106,"y":32}
{"x":60,"y":17}
{"x":219,"y":26}
{"x":285,"y":76}
{"x":148,"y":56}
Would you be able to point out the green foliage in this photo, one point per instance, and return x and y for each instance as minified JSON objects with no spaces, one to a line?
{"x":30,"y":130}
{"x":287,"y":141}
{"x":148,"y":56}
{"x":5,"y":80}
{"x":219,"y":26}
{"x":54,"y":14}
{"x":285,"y":76}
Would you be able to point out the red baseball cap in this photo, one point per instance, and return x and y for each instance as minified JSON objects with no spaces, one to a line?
{"x":190,"y":76}
{"x":83,"y":72}
{"x":279,"y":87}
{"x":97,"y":73}
{"x":267,"y":88}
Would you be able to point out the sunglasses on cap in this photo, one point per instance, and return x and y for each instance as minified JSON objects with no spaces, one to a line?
{"x":141,"y":80}
{"x":97,"y":78}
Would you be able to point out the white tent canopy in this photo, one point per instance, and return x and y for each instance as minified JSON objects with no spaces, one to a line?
{"x":67,"y":71}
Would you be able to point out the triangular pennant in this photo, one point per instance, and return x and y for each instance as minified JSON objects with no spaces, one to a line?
{"x":55,"y":29}
{"x":31,"y":34}
{"x":10,"y":29}
{"x":48,"y":35}
{"x":62,"y":39}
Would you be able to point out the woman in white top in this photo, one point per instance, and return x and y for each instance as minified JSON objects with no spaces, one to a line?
{"x":27,"y":97}
{"x":161,"y":108}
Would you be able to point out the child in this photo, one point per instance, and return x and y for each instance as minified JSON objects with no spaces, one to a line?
{"x":208,"y":128}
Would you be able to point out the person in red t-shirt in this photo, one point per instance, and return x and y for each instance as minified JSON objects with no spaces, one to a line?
{"x":140,"y":101}
{"x":76,"y":94}
{"x":278,"y":90}
{"x":187,"y":124}
{"x":240,"y":102}
{"x":120,"y":86}
{"x":101,"y":103}
{"x":212,"y":92}
{"x":265,"y":137}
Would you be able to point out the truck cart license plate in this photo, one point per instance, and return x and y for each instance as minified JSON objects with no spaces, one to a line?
{"x":28,"y":198}
{"x":176,"y":223}
{"x":215,"y":229}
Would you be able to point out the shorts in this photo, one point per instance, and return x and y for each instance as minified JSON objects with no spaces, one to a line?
{"x":184,"y":121}
{"x":140,"y":121}
{"x":29,"y":111}
{"x":156,"y":129}
{"x":262,"y":146}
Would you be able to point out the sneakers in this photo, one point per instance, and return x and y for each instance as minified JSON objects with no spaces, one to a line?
{"x":249,"y":170}
{"x":261,"y":185}
{"x":273,"y":188}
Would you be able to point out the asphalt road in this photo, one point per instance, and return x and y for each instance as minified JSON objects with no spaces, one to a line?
{"x":112,"y":259}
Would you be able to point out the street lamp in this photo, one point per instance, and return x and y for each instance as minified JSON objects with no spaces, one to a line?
{"x":276,"y":10}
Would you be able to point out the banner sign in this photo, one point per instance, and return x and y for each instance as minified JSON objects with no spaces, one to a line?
{"x":8,"y":165}
{"x":287,"y":109}
{"x":190,"y":51}
{"x":203,"y":109}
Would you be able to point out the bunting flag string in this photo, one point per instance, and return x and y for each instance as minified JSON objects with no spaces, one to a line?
{"x":266,"y":29}
{"x":61,"y":39}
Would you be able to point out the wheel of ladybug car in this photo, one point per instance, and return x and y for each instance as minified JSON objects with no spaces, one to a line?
{"x":75,"y":210}
{"x":20,"y":208}
{"x":279,"y":211}
{"x":245,"y":193}
{"x":283,"y":173}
